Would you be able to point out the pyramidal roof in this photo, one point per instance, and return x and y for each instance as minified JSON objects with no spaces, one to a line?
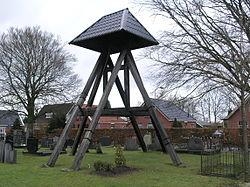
{"x":115,"y":32}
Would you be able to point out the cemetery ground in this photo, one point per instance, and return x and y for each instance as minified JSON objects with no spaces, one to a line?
{"x":155,"y":169}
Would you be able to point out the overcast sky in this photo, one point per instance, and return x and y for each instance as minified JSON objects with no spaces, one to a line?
{"x":67,"y":19}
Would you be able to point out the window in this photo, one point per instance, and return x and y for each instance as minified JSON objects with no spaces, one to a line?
{"x":48,"y":115}
{"x":99,"y":126}
{"x":140,"y":125}
{"x":241,"y":124}
{"x":193,"y":125}
{"x":149,"y":125}
{"x":112,"y":125}
{"x":2,"y":130}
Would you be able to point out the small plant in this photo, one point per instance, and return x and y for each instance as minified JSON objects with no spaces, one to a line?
{"x":120,"y":160}
{"x":103,"y":166}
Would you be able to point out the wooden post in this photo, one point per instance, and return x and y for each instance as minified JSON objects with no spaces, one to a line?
{"x":78,"y":135}
{"x":126,"y":83}
{"x":164,"y":138}
{"x":90,"y":103}
{"x":88,"y":135}
{"x":73,"y":115}
{"x":125,"y":95}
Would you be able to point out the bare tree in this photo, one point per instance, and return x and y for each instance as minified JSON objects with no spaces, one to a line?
{"x":208,"y":47}
{"x":211,"y":108}
{"x":34,"y":69}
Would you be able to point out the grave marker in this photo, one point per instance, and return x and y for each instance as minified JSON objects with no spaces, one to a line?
{"x":131,"y":144}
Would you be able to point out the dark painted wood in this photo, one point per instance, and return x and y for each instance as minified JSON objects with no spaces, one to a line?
{"x":126,"y":83}
{"x":125,"y":95}
{"x":89,"y":133}
{"x":117,"y":82}
{"x":109,"y":69}
{"x":72,"y":117}
{"x":135,"y":111}
{"x":99,"y":74}
{"x":163,"y":136}
{"x":78,"y":135}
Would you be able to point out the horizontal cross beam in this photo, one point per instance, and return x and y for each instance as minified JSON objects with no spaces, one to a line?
{"x":123,"y":112}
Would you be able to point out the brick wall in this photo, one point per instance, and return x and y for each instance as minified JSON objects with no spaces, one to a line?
{"x":118,"y":136}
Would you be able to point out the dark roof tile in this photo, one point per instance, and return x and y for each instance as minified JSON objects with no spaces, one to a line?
{"x":8,"y":117}
{"x":172,"y":111}
{"x":116,"y":31}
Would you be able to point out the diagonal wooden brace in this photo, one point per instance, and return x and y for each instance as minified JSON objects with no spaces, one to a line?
{"x":73,"y":115}
{"x":162,"y":135}
{"x":88,"y":135}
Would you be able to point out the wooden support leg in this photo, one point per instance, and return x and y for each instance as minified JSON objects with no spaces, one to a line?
{"x":73,"y":115}
{"x":164,"y":138}
{"x":78,"y":135}
{"x":125,"y":98}
{"x":138,"y":134}
{"x":90,"y":103}
{"x":88,"y":135}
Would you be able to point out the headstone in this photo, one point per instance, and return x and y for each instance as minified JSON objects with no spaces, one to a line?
{"x":195,"y":144}
{"x":70,"y":142}
{"x":92,"y":145}
{"x":155,"y":146}
{"x":7,"y":149}
{"x":147,"y":139}
{"x":12,"y":157}
{"x":55,"y":139}
{"x":32,"y":144}
{"x":9,"y":139}
{"x":18,"y":138}
{"x":131,"y":144}
{"x":2,"y":143}
{"x":105,"y":141}
{"x":46,"y":142}
{"x":98,"y":148}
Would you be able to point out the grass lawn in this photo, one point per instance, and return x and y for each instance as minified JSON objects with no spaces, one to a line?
{"x":155,"y":170}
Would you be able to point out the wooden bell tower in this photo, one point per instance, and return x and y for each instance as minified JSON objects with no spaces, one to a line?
{"x":119,"y":32}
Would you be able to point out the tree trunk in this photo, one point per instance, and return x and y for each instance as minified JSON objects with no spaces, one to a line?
{"x":31,"y":118}
{"x":244,"y":136}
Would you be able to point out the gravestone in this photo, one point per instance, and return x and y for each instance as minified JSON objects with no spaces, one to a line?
{"x":105,"y":141}
{"x":195,"y":145}
{"x":9,"y":139}
{"x":70,"y":142}
{"x":2,"y":143}
{"x":7,"y":149}
{"x":155,"y":146}
{"x":9,"y":154}
{"x":147,"y":139}
{"x":32,"y":144}
{"x":98,"y":148}
{"x":92,"y":145}
{"x":131,"y":144}
{"x":19,"y":138}
{"x":55,"y":139}
{"x":13,"y":156}
{"x":46,"y":142}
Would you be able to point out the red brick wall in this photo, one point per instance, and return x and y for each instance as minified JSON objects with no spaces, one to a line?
{"x":120,"y":135}
{"x":144,"y":120}
{"x":233,"y":121}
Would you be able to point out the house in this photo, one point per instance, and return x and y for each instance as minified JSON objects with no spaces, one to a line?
{"x":232,"y":120}
{"x":48,"y":111}
{"x":232,"y":123}
{"x":168,"y":112}
{"x":205,"y":124}
{"x":110,"y":122}
{"x":7,"y":119}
